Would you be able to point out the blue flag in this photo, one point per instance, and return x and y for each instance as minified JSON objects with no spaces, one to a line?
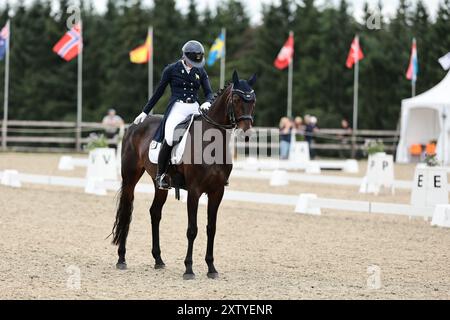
{"x":217,"y":50}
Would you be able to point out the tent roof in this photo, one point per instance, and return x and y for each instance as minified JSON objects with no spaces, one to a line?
{"x":439,"y":95}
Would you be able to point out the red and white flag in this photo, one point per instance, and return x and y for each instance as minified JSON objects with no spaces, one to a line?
{"x":355,"y":54}
{"x":286,"y":54}
{"x":70,"y":44}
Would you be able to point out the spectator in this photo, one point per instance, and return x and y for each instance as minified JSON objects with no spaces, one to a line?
{"x":299,"y":127}
{"x":112,"y":124}
{"x":310,"y":130}
{"x":286,"y":128}
{"x":344,"y":137}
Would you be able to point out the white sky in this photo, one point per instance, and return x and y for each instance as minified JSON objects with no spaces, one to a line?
{"x":254,"y":6}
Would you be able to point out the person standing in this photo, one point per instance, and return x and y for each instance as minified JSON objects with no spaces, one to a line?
{"x":310,"y":130}
{"x":344,"y":138}
{"x":112,"y":124}
{"x":286,"y":128}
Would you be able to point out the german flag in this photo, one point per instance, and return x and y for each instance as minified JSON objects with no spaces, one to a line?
{"x":142,"y":54}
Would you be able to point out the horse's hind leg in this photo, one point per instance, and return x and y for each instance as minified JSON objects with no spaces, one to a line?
{"x":130,"y":176}
{"x":155,"y":214}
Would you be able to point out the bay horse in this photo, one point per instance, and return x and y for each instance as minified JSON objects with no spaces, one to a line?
{"x":233,"y":108}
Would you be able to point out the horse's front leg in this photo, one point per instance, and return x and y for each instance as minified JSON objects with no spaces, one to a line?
{"x":214,"y":200}
{"x":155,"y":213}
{"x":192,"y":203}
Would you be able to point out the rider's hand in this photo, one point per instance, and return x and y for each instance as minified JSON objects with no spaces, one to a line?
{"x":140,"y":118}
{"x":206,"y":106}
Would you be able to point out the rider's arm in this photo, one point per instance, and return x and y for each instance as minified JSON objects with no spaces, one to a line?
{"x":165,"y":80}
{"x":206,"y":85}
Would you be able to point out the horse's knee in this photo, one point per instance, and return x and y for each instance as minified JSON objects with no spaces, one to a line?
{"x":192,"y":233}
{"x":211,"y":231}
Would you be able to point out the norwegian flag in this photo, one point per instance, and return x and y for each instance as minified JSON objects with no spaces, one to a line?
{"x":355,"y":54}
{"x":4,"y":35}
{"x":70,"y":45}
{"x":413,"y":69}
{"x":286,"y":54}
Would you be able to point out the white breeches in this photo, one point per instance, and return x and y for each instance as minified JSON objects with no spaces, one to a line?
{"x":179,"y":113}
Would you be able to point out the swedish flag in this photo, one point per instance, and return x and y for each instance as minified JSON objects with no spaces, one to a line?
{"x":217,"y":50}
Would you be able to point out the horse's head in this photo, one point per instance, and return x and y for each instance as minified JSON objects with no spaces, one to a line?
{"x":243,"y":101}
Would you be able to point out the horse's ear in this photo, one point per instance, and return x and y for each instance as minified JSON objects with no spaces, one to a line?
{"x":235,"y":78}
{"x":252,"y":80}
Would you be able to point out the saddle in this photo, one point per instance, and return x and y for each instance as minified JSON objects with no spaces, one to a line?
{"x":179,"y":146}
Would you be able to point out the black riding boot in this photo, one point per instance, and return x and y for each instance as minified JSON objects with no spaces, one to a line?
{"x":163,"y":165}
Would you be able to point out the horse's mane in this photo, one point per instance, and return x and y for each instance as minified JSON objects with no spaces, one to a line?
{"x":220,"y":93}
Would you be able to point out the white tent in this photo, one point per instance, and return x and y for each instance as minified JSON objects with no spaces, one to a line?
{"x":426,"y":118}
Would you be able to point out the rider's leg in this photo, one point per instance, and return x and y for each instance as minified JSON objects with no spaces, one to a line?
{"x":163,"y":165}
{"x":177,"y":115}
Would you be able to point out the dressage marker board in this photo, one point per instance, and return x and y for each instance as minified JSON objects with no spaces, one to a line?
{"x":380,"y":174}
{"x":430,"y":186}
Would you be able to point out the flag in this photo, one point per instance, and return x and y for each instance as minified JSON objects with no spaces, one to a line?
{"x":70,"y":44}
{"x":355,"y":55}
{"x":4,"y":35}
{"x":413,"y":69}
{"x":286,"y":54}
{"x":217,"y":50}
{"x":142,"y":54}
{"x":445,"y":61}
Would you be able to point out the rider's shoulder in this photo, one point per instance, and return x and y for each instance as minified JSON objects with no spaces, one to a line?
{"x":171,"y":66}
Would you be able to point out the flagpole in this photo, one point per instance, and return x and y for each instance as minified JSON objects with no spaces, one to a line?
{"x":413,"y":80}
{"x":150,"y":65}
{"x":223,"y":59}
{"x":80,"y":92}
{"x":290,"y":83}
{"x":6,"y":93}
{"x":355,"y":100}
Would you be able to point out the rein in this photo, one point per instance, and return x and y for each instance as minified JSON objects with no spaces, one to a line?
{"x":230,"y":111}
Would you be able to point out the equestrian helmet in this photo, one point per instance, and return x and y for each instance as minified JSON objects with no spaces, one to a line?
{"x":194,"y":53}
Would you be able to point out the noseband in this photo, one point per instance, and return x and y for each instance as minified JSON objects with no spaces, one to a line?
{"x":247,"y":97}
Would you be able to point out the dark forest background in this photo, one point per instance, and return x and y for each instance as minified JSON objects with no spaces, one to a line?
{"x":43,"y":86}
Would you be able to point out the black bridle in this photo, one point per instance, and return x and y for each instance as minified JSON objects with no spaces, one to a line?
{"x":247,"y":97}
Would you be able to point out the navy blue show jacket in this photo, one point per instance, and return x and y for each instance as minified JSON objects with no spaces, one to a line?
{"x":184,"y":86}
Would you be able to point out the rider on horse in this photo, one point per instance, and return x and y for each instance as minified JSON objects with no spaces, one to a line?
{"x":185,"y":78}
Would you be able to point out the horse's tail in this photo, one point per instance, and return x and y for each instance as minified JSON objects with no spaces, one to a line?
{"x":131,"y":174}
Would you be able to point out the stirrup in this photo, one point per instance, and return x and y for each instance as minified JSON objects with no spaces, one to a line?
{"x":162,"y":183}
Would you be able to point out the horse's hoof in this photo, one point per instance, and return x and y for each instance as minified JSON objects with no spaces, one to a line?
{"x":121,"y":266}
{"x":213,"y":276}
{"x":160,"y":266}
{"x":189,"y":276}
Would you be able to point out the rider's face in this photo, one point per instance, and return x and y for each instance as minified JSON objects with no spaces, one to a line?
{"x":188,"y":64}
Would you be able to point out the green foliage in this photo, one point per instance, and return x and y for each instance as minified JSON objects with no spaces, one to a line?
{"x":374,"y":147}
{"x":97,"y":142}
{"x":431,"y":160}
{"x":43,"y":86}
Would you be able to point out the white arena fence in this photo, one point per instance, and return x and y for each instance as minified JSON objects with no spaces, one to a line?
{"x":304,"y":204}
